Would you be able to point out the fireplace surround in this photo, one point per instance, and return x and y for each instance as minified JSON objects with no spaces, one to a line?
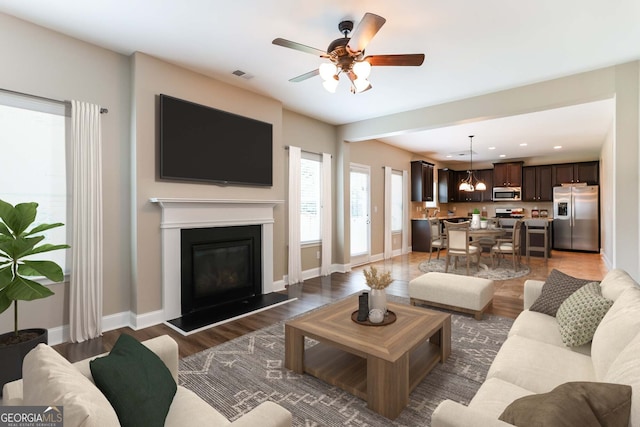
{"x":219,"y":265}
{"x":181,"y":214}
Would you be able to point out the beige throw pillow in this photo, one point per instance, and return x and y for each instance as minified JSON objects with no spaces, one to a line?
{"x":579,"y":315}
{"x":51,"y":380}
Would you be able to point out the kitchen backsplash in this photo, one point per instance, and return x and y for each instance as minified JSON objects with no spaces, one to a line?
{"x":464,"y":208}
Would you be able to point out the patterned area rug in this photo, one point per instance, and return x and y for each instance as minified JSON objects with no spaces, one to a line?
{"x":503,"y":271}
{"x":237,"y":376}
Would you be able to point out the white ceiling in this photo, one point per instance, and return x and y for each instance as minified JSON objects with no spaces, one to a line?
{"x":472,"y":48}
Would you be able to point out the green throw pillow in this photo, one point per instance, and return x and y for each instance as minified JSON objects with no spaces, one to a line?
{"x":136,"y":382}
{"x":581,"y":313}
{"x":555,"y":290}
{"x":584,"y":404}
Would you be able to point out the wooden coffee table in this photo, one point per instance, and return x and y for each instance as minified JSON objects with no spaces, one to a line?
{"x":379,"y":364}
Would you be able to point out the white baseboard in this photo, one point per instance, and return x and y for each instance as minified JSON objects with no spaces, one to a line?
{"x":61,"y":334}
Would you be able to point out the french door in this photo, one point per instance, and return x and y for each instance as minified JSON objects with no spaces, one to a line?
{"x":360,"y":192}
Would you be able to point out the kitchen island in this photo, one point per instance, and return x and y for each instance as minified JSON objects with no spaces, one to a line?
{"x":421,"y":233}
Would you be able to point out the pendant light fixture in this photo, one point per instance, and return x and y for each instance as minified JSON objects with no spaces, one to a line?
{"x":467,"y":184}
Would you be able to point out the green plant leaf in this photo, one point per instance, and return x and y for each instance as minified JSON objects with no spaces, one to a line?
{"x":43,"y":227}
{"x":48,"y":269}
{"x":18,"y":218}
{"x":5,"y":301}
{"x":23,"y":289}
{"x":6,"y":276}
{"x":20,"y":246}
{"x":4,"y":230}
{"x":47,"y":247}
{"x":25,"y":215}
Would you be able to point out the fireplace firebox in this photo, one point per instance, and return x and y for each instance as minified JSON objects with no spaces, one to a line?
{"x":219,"y":265}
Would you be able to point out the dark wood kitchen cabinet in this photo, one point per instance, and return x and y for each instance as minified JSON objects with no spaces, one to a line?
{"x":536,"y":184}
{"x":507,"y":174}
{"x":422,"y":181}
{"x":484,"y":175}
{"x":581,"y":172}
{"x":447,"y":186}
{"x":420,"y":235}
{"x":449,"y":182}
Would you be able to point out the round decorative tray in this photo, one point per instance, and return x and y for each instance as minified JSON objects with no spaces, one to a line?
{"x":389,"y":318}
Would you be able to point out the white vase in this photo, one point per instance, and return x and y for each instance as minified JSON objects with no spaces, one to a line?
{"x":475,"y":220}
{"x":378,"y":299}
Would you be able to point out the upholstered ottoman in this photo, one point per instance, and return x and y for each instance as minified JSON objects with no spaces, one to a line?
{"x":454,"y":292}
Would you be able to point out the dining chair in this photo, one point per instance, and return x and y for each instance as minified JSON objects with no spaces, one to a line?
{"x":508,"y":246}
{"x":438,"y":239}
{"x":459,"y":245}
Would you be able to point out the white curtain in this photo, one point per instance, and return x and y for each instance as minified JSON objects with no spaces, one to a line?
{"x":388,"y":247}
{"x":295,"y":261}
{"x":405,"y":212}
{"x":85,"y":305}
{"x":326,"y":233}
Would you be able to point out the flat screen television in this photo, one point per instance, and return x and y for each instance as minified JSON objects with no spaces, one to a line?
{"x":199,"y":143}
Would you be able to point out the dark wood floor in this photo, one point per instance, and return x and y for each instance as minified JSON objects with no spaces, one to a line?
{"x":322,"y":290}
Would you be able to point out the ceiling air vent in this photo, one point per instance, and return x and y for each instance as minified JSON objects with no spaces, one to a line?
{"x":242,"y":74}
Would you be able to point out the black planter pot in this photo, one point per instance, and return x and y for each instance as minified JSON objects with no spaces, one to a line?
{"x":11,"y":356}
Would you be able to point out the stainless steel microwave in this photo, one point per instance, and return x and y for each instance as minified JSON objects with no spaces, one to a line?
{"x":507,"y":193}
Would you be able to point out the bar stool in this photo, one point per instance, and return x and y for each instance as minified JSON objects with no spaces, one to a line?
{"x":537,"y":226}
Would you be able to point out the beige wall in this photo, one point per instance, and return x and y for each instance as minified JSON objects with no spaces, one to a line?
{"x":606,"y":197}
{"x":41,"y":62}
{"x":377,"y":155}
{"x":152,"y":77}
{"x":316,"y":137}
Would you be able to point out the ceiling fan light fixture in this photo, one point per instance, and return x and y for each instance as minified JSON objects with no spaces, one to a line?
{"x":361,"y":85}
{"x":362,"y":69}
{"x":331,"y":84}
{"x":327,"y":71}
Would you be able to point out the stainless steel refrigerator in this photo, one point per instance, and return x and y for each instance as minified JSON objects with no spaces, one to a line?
{"x":576,"y":218}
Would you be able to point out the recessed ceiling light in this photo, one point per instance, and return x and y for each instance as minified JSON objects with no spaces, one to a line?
{"x":524,"y":144}
{"x":492,"y":148}
{"x":448,"y":156}
{"x":557,"y":147}
{"x":503,"y":155}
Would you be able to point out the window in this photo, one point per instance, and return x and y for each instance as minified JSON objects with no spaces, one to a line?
{"x":310,"y":175}
{"x":396,"y":202}
{"x":33,"y":143}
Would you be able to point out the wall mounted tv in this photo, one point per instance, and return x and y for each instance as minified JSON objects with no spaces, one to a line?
{"x":199,"y":143}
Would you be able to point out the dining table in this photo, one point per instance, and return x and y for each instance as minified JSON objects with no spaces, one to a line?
{"x":479,"y":233}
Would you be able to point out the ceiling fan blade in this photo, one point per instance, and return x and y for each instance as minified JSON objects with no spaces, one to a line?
{"x":298,"y":46}
{"x":413,"y":59}
{"x":364,"y":32}
{"x":305,"y":76}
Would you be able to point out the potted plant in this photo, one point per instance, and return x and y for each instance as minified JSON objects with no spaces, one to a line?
{"x":378,"y":283}
{"x":18,"y":245}
{"x":475,"y":219}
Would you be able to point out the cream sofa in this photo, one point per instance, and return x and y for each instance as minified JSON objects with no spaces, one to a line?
{"x":47,"y":376}
{"x":534,"y":359}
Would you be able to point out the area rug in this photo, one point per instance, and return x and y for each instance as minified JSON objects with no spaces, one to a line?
{"x":503,"y":271}
{"x":237,"y":376}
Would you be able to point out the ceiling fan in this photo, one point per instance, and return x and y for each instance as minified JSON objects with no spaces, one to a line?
{"x":347,"y":55}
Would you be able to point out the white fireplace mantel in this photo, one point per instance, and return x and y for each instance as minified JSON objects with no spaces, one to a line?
{"x":181,"y":213}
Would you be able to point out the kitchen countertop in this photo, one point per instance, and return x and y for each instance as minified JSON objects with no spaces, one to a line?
{"x":526,"y":218}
